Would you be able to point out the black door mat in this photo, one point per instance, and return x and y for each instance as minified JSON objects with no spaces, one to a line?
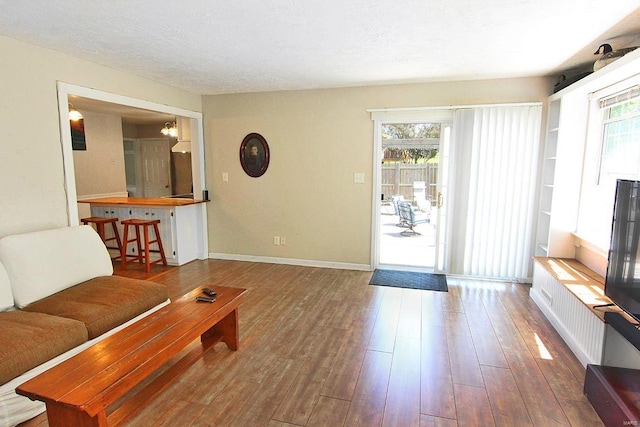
{"x":410,"y":279}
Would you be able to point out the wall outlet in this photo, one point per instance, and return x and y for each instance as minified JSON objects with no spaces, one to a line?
{"x":358,"y":178}
{"x":276,"y":240}
{"x":283,"y":241}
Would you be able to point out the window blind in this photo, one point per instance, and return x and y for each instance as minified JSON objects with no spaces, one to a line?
{"x":620,"y":97}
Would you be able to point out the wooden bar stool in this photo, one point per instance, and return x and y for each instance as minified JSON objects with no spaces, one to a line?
{"x":145,"y":251}
{"x":100,"y":223}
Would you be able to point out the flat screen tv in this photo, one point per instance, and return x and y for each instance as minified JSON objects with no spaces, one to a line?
{"x":622,"y":283}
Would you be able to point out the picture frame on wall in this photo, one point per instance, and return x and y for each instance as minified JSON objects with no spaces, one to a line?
{"x":254,"y":155}
{"x":78,"y":140}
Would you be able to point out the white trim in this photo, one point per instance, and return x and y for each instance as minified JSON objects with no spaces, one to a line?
{"x":197,"y":147}
{"x":452,"y":107}
{"x":291,"y":261}
{"x":113,"y":98}
{"x":375,"y":194}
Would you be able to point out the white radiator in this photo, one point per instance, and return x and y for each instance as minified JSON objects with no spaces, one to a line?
{"x":582,"y":330}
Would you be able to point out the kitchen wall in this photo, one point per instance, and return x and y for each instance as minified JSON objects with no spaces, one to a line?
{"x":99,"y":169}
{"x":31,"y":165}
{"x":318,"y":139}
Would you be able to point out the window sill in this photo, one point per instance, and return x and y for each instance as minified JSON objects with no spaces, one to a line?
{"x":582,"y":241}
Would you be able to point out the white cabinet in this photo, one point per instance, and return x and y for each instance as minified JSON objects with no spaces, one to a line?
{"x":177,"y":228}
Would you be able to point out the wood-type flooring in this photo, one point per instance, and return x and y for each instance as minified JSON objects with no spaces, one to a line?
{"x":321,"y":347}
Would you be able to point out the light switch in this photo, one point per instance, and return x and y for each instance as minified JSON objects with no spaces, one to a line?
{"x":225,"y":176}
{"x":358,"y":178}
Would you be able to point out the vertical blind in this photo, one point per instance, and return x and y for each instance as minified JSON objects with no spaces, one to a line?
{"x":495,"y":166}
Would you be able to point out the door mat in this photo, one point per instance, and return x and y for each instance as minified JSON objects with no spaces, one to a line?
{"x":410,"y":279}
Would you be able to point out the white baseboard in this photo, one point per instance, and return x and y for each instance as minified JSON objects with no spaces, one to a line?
{"x":292,"y":261}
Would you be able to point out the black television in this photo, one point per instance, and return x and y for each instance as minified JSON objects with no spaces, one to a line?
{"x":622,"y":282}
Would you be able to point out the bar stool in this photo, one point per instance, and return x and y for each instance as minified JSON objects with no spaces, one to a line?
{"x":143,"y":252}
{"x":100,"y":223}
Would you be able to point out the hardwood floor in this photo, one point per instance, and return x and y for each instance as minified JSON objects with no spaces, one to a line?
{"x":321,"y":347}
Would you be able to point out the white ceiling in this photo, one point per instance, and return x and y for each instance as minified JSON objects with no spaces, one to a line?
{"x":222,"y":46}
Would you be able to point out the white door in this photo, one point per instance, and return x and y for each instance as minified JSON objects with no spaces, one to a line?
{"x":156,"y":167}
{"x":442,"y":200}
{"x":411,"y":164}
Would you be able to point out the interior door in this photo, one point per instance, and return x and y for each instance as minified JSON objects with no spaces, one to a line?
{"x":156,"y":167}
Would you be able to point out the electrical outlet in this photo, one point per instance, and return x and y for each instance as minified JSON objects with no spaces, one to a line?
{"x":358,"y":178}
{"x":276,"y":240}
{"x":283,"y":241}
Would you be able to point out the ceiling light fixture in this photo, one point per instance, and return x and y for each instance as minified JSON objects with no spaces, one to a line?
{"x":74,"y":114}
{"x":170,"y":129}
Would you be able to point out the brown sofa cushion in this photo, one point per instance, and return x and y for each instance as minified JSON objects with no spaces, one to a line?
{"x":30,"y":339}
{"x":103,"y":303}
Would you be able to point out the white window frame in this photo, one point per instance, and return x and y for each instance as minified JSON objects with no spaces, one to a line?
{"x":596,"y":197}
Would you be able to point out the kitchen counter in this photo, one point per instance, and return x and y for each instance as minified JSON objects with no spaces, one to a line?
{"x":144,"y":201}
{"x":179,"y":219}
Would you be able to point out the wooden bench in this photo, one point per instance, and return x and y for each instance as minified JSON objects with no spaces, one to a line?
{"x":78,"y":391}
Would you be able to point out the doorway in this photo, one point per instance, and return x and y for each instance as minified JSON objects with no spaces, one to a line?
{"x":409,"y":184}
{"x":156,"y":167}
{"x":193,"y":121}
{"x":411,"y":174}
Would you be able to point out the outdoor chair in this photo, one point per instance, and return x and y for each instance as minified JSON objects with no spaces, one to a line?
{"x":409,"y":217}
{"x":395,"y":200}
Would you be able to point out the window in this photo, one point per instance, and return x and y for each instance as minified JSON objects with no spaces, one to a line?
{"x":620,"y":156}
{"x":612,"y":152}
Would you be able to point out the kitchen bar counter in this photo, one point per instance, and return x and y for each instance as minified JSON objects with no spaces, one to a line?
{"x":179,"y":219}
{"x":143,"y":201}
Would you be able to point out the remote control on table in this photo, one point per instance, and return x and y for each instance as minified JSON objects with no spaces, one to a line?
{"x":209,"y":292}
{"x":205,"y":299}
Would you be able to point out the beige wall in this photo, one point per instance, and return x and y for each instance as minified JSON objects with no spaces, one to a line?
{"x":318,"y":139}
{"x":31,"y":171}
{"x":100,"y":168}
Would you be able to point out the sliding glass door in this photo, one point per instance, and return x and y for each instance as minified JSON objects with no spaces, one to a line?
{"x":411,"y":174}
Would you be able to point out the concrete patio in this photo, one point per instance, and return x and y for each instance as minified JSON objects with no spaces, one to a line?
{"x":410,"y":250}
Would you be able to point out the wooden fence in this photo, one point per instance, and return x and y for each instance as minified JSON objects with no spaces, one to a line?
{"x":398,"y":179}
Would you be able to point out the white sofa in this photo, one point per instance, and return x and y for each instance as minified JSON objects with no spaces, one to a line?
{"x":58,"y":296}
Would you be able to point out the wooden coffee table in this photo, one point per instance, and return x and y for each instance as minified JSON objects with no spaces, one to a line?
{"x":78,"y":391}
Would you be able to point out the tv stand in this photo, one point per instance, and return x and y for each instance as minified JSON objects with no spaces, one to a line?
{"x":614,"y":393}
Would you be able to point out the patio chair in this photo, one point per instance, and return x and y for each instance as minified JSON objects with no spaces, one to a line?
{"x":395,"y":200}
{"x":409,"y":217}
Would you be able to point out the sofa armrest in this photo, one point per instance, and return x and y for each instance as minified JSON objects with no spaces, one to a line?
{"x":42,"y":263}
